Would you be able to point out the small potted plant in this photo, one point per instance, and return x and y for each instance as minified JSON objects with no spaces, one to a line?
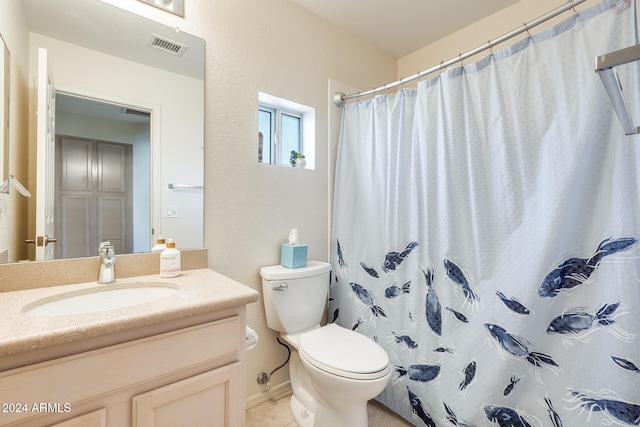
{"x":297,"y":160}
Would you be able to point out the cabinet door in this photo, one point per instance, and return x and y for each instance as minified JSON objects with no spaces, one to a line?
{"x":92,"y":419}
{"x":212,"y":399}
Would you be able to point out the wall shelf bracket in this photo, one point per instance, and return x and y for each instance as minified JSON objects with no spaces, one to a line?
{"x":604,"y":66}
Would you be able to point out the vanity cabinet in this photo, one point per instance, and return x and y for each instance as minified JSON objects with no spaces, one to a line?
{"x":206,"y":399}
{"x":192,"y":376}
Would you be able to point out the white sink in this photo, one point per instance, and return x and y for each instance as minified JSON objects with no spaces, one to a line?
{"x":100,"y":299}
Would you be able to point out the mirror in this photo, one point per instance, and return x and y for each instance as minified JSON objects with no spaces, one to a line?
{"x":101,"y":53}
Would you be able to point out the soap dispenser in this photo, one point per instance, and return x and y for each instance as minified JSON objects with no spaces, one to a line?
{"x":160,"y":244}
{"x":170,"y":260}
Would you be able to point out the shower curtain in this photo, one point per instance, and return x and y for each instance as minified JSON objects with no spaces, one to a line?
{"x":486,"y":233}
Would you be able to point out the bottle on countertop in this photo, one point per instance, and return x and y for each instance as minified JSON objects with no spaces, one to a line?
{"x":170,"y":260}
{"x":160,"y":244}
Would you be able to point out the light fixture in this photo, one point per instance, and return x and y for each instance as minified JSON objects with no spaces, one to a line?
{"x":173,"y":6}
{"x":604,"y":67}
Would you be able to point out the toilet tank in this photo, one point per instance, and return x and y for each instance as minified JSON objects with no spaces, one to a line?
{"x":295,"y":298}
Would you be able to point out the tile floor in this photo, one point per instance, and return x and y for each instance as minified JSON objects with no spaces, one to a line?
{"x":276,"y":413}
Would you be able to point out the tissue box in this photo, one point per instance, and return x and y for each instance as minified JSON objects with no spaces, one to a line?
{"x":293,"y":256}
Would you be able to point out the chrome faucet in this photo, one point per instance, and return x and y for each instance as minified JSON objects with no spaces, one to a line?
{"x":107,"y":263}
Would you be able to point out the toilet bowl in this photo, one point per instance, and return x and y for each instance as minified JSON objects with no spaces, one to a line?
{"x":334,"y":371}
{"x":346,"y":370}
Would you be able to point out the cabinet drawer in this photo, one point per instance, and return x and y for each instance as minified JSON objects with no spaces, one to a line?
{"x":85,"y":376}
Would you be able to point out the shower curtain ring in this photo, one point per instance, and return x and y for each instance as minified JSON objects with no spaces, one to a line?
{"x":527,"y":29}
{"x":490,"y":47}
{"x":461,"y":60}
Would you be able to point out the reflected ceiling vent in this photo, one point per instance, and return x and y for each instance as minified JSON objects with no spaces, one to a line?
{"x":134,"y":112}
{"x":166,"y":45}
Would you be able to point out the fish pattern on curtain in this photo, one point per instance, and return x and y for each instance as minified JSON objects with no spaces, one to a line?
{"x":485,"y":234}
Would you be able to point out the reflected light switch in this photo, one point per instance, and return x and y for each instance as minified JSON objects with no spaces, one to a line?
{"x":171,"y":212}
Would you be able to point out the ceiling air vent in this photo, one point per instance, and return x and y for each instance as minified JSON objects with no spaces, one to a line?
{"x":166,"y":45}
{"x":134,"y":112}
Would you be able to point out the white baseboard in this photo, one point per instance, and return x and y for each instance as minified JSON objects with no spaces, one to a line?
{"x":273,"y":393}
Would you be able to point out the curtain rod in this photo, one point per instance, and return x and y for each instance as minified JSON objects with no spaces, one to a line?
{"x":340,"y":98}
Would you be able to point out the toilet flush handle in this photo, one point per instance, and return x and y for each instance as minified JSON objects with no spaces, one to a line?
{"x":281,"y":287}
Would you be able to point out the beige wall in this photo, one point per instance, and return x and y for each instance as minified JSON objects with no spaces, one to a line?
{"x":482,"y":31}
{"x":277,"y":48}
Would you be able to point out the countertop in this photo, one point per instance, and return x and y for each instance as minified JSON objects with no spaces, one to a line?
{"x":201,"y":291}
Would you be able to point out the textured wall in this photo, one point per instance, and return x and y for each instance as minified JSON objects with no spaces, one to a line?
{"x":275,"y":47}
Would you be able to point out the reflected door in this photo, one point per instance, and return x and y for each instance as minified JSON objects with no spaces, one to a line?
{"x":45,"y":159}
{"x":93,"y":196}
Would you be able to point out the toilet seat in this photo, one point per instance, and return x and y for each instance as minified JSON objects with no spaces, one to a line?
{"x":344,"y":353}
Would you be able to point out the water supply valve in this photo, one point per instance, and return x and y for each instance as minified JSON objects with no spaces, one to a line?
{"x":263,"y":378}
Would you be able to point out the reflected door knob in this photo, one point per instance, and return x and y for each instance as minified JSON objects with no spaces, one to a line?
{"x":42,"y":240}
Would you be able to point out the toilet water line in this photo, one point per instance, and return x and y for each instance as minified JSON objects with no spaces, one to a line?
{"x":288,"y":355}
{"x":265,"y":379}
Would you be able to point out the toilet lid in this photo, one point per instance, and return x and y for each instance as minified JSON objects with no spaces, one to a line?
{"x":343,"y":352}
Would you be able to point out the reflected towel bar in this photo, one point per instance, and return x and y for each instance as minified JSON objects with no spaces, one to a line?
{"x":604,"y":68}
{"x":184,"y":186}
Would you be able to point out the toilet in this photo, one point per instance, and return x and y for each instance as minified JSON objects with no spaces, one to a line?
{"x":334,"y":371}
